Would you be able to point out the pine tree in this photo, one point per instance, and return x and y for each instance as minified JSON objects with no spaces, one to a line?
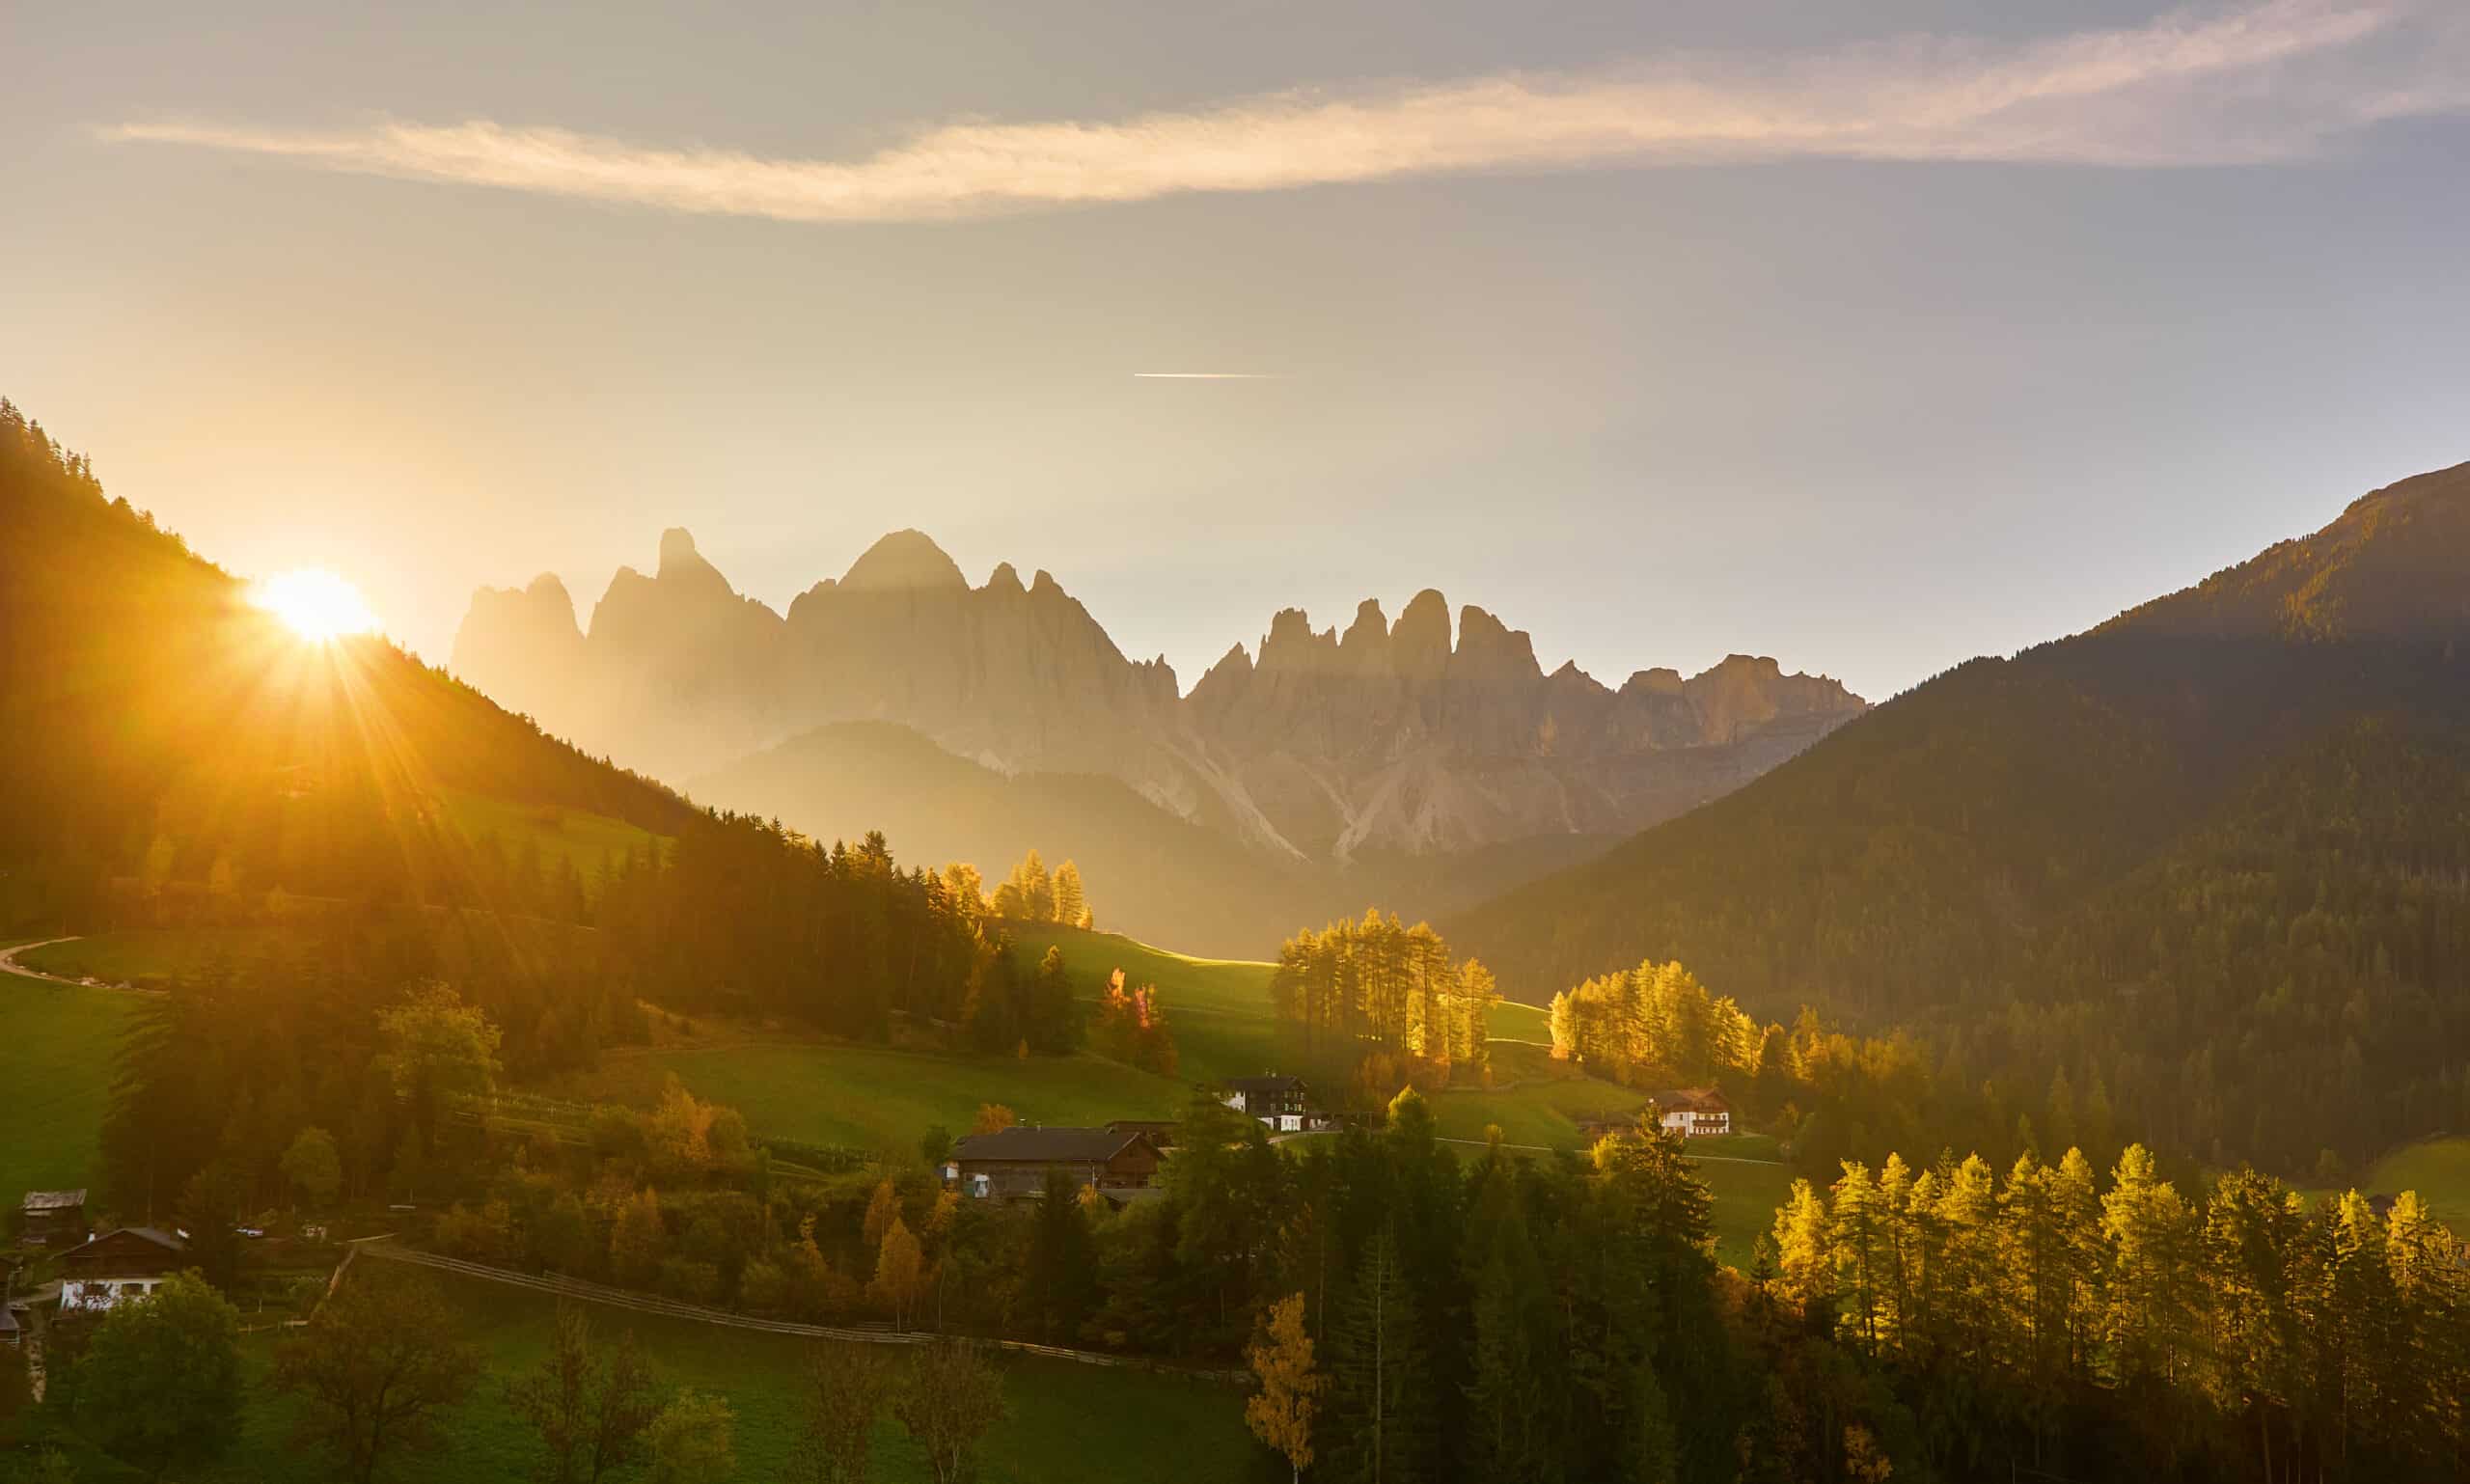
{"x":1060,"y":1278}
{"x":1804,"y":1259}
{"x":1380,"y":1394}
{"x":1036,"y":889}
{"x":1071,"y":901}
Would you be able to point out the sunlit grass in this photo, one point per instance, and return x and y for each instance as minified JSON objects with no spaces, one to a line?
{"x":56,"y":1049}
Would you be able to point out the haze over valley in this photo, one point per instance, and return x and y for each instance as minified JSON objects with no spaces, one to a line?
{"x":1292,"y":780}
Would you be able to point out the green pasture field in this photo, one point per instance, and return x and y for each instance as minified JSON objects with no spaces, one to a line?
{"x":875,"y":1097}
{"x":561,"y":834}
{"x":57,"y":1043}
{"x":1068,"y":1422}
{"x":2437,"y":1169}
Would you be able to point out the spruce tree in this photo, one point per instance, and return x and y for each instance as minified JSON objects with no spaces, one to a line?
{"x":1380,"y":1394}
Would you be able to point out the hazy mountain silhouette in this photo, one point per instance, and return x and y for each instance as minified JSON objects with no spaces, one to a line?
{"x":1320,"y":752}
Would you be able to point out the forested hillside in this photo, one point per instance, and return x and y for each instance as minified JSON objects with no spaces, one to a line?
{"x":165,"y":738}
{"x":180,"y":757}
{"x":2217,"y":859}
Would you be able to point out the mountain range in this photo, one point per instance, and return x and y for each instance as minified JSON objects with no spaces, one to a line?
{"x":1299,"y":775}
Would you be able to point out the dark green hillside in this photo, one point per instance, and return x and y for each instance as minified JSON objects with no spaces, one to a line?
{"x":2231,"y":862}
{"x":2391,"y":567}
{"x":166,"y":733}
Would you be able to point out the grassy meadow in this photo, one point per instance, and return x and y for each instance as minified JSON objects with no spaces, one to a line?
{"x":559,"y":834}
{"x":148,"y":956}
{"x":2437,"y":1169}
{"x":57,"y":1043}
{"x":1068,"y":1422}
{"x":874,"y":1097}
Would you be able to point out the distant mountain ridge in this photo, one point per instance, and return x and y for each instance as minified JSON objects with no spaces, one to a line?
{"x":2211,"y":858}
{"x":1321,"y":748}
{"x":2395,"y":565}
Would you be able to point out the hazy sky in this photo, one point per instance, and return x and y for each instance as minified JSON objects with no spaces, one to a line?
{"x":1868,"y":336}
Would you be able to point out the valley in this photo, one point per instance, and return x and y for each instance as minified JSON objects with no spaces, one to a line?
{"x":410,"y":967}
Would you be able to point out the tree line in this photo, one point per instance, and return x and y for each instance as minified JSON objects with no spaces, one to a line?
{"x":2225,"y":876}
{"x":2244,"y":1331}
{"x":1377,"y":980}
{"x":379,"y":1376}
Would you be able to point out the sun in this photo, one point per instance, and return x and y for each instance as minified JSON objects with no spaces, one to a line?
{"x":314,"y":603}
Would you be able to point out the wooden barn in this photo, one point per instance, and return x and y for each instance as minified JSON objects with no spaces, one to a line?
{"x":49,"y":1218}
{"x":1011,"y":1164}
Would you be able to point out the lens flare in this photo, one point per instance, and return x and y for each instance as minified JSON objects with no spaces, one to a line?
{"x":314,"y":604}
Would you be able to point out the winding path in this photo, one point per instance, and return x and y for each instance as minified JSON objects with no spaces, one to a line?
{"x":8,"y":965}
{"x":388,"y":1249}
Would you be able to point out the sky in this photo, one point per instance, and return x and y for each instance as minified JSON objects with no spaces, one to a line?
{"x":1868,"y":337}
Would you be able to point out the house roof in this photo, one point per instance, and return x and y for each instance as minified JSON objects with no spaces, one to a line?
{"x":8,"y":1321}
{"x":1032,"y":1143}
{"x":1691,"y":1100}
{"x":1272,"y":1083}
{"x":54,"y":1200}
{"x":165,"y":1240}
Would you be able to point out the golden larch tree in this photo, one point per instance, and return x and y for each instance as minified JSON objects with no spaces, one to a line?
{"x":1281,"y":1413}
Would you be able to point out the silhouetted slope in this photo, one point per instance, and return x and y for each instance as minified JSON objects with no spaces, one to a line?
{"x":160,"y":729}
{"x":2396,"y":564}
{"x":2220,"y":844}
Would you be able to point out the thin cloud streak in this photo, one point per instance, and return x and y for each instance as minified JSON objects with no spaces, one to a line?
{"x":2260,"y":83}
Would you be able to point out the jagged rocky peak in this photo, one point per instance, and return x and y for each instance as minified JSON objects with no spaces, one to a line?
{"x":1489,"y":651}
{"x":905,"y":560}
{"x":1005,"y":578}
{"x":1292,"y":643}
{"x":677,"y":550}
{"x":1661,"y":680}
{"x":1235,"y":663}
{"x":501,"y":619}
{"x":1419,"y":645}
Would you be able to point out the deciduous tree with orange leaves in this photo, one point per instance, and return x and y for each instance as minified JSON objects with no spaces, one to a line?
{"x":1281,"y":1413}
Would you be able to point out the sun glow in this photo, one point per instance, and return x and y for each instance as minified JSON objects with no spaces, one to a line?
{"x":315,"y":604}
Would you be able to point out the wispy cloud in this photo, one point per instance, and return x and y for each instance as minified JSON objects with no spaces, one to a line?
{"x":2257,"y":83}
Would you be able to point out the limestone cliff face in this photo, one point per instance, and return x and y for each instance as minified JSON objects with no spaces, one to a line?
{"x":1323,"y":745}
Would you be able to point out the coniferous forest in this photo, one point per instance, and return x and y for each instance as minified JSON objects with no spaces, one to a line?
{"x":2222,"y":877}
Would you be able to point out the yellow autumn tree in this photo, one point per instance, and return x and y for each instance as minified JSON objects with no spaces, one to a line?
{"x":993,"y":1119}
{"x":900,"y":1272}
{"x":881,"y":1211}
{"x":1281,"y":1413}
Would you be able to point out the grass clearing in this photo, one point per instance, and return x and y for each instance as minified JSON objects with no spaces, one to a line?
{"x":1068,"y":1422}
{"x":1546,"y":1113}
{"x":1220,"y":1008}
{"x":875,"y":1097}
{"x":559,"y":834}
{"x":144,"y":955}
{"x":1747,"y":1196}
{"x":57,"y":1045}
{"x":2437,"y":1169}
